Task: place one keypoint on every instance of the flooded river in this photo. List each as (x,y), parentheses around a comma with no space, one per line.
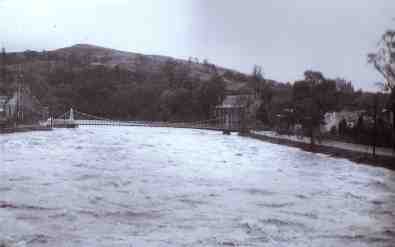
(136,186)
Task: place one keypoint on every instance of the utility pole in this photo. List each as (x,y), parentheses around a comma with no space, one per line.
(393,124)
(375,124)
(3,63)
(3,72)
(18,99)
(19,96)
(312,115)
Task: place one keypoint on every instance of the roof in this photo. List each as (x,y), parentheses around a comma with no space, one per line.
(237,87)
(235,101)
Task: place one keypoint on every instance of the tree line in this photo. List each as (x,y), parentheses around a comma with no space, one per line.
(172,93)
(175,92)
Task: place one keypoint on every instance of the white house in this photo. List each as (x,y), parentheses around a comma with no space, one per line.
(11,106)
(231,111)
(332,119)
(3,101)
(8,106)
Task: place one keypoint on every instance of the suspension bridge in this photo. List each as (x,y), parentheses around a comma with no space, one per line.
(74,118)
(29,110)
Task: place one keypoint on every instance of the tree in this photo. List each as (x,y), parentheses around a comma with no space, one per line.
(345,93)
(383,61)
(264,92)
(257,73)
(169,72)
(313,97)
(176,104)
(209,94)
(140,69)
(342,127)
(209,67)
(257,79)
(344,86)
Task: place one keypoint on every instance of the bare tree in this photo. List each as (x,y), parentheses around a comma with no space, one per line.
(257,79)
(383,59)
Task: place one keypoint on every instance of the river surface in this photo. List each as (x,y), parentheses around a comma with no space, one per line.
(137,186)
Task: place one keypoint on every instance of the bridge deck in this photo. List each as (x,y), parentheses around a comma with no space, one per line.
(65,123)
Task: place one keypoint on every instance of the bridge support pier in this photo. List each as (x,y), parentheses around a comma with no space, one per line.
(226,132)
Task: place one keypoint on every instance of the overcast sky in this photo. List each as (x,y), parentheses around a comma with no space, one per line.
(286,37)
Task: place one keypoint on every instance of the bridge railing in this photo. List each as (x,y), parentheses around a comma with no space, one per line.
(80,118)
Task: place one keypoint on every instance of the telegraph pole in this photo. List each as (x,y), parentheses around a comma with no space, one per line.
(393,123)
(19,98)
(375,124)
(3,64)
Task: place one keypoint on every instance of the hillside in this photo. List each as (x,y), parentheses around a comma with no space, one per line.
(131,86)
(96,55)
(123,84)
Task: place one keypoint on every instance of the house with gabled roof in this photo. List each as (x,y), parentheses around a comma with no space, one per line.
(8,106)
(3,101)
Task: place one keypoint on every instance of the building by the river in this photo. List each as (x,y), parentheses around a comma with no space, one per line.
(21,106)
(8,106)
(232,112)
(239,106)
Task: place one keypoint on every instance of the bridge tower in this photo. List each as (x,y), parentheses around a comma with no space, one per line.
(70,123)
(71,117)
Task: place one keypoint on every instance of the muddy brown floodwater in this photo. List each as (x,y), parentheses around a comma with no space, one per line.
(136,186)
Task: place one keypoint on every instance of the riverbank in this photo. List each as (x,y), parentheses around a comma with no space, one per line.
(24,128)
(353,153)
